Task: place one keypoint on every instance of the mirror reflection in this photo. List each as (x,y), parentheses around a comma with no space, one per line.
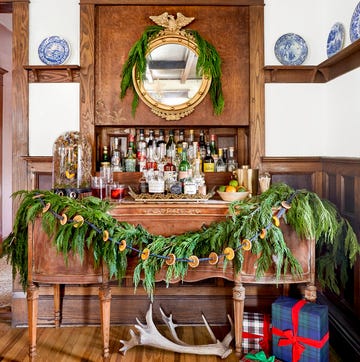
(170,77)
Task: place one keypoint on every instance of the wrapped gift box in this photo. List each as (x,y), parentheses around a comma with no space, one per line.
(300,331)
(256,332)
(258,356)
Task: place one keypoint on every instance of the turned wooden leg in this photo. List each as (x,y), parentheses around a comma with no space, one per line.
(57,311)
(238,300)
(310,293)
(32,299)
(105,302)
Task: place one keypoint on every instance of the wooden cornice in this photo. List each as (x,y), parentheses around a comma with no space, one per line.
(175,3)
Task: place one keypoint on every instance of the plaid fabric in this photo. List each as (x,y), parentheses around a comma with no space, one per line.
(254,324)
(312,324)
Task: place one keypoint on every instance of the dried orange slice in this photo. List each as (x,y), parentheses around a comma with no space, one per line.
(276,221)
(122,245)
(229,253)
(214,258)
(46,207)
(78,221)
(262,234)
(285,205)
(105,235)
(145,254)
(170,260)
(246,244)
(194,261)
(64,219)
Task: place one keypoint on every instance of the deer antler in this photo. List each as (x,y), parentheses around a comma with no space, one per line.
(149,335)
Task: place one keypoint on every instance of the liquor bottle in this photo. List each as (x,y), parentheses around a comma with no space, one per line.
(151,141)
(202,145)
(116,157)
(220,165)
(170,174)
(199,178)
(208,162)
(184,166)
(231,162)
(156,183)
(213,148)
(105,159)
(190,142)
(161,138)
(141,152)
(130,161)
(150,158)
(179,143)
(171,146)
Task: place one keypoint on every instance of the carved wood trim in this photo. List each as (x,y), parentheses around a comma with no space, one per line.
(20,95)
(257,89)
(53,73)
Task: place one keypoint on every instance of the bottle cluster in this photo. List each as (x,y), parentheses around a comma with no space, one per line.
(168,164)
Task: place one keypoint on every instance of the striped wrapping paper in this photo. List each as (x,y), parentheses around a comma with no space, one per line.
(300,331)
(256,334)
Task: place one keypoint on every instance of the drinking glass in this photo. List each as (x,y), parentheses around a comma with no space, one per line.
(98,187)
(117,191)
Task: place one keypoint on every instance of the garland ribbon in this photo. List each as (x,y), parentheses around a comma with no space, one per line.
(291,336)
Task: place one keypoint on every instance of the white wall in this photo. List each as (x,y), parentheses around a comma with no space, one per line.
(54,108)
(301,119)
(307,119)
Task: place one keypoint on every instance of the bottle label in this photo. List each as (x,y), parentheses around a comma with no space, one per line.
(156,187)
(183,175)
(130,164)
(209,167)
(189,188)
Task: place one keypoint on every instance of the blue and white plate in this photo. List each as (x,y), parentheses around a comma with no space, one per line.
(291,49)
(355,24)
(335,41)
(54,50)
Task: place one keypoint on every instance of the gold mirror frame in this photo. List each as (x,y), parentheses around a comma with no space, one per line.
(171,112)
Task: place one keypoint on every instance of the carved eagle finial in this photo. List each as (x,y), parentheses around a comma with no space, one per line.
(169,22)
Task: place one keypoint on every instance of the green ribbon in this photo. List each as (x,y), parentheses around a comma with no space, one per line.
(260,356)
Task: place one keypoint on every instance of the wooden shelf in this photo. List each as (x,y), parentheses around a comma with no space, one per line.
(346,60)
(53,73)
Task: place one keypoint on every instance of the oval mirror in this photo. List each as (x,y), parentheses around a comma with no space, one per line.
(171,85)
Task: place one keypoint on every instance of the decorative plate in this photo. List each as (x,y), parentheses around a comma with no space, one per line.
(335,41)
(355,24)
(291,49)
(54,50)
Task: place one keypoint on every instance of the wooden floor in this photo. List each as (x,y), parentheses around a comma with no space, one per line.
(72,344)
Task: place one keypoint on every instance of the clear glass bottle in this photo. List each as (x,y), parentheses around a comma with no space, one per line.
(116,156)
(231,162)
(199,178)
(141,151)
(156,183)
(171,146)
(220,165)
(208,162)
(130,161)
(71,161)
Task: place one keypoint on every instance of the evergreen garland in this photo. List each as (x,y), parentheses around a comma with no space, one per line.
(209,64)
(100,233)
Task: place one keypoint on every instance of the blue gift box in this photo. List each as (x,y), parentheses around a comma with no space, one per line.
(300,331)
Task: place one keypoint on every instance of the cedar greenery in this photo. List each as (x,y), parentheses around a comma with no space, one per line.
(209,64)
(313,218)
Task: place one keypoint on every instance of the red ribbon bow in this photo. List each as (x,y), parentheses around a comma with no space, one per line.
(291,337)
